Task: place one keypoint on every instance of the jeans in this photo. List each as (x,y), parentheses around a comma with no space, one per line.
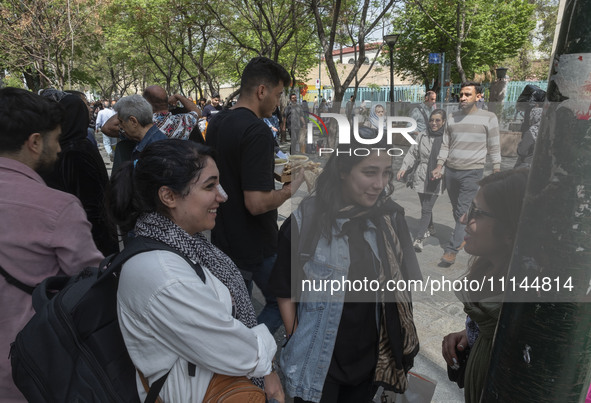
(462,187)
(270,314)
(427,203)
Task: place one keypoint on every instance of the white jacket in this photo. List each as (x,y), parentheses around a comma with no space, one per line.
(169,318)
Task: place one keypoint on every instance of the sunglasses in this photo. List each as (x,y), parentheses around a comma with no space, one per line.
(474,213)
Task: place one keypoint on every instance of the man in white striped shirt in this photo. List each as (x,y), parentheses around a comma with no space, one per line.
(471,134)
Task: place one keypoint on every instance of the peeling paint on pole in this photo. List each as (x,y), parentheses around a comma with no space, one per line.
(572,77)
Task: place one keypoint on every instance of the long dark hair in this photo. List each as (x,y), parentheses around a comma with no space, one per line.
(503,193)
(134,187)
(327,190)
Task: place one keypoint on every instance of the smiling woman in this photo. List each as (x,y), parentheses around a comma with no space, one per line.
(172,320)
(418,164)
(491,225)
(360,236)
(196,211)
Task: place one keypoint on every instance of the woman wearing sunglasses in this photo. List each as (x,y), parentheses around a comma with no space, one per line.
(423,156)
(491,226)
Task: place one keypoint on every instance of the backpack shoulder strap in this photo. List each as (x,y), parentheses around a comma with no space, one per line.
(424,115)
(112,265)
(18,284)
(154,390)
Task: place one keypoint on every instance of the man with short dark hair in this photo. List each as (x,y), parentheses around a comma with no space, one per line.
(135,118)
(246,225)
(471,134)
(210,110)
(44,231)
(175,126)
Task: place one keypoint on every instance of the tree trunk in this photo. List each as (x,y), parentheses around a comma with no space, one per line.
(460,27)
(32,79)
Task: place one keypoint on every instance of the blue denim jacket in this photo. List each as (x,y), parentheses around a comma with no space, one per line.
(305,359)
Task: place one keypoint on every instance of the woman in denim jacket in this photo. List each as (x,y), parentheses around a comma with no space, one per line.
(345,335)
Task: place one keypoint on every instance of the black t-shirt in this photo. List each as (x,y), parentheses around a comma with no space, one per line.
(356,346)
(209,111)
(245,159)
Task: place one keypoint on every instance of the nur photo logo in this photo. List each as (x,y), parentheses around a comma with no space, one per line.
(387,125)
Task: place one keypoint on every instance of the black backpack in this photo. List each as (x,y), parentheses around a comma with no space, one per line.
(72,349)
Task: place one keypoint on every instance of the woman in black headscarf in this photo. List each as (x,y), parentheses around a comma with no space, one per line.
(80,170)
(423,157)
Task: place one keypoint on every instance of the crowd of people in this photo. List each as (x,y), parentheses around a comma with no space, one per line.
(172,184)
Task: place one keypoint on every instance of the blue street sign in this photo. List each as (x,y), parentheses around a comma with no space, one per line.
(434,58)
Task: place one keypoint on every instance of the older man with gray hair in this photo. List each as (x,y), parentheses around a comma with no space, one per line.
(135,118)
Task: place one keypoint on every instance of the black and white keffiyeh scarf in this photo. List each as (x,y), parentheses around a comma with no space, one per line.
(199,249)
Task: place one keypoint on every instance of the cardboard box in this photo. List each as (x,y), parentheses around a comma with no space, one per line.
(283,178)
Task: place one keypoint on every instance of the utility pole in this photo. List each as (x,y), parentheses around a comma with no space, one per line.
(319,76)
(442,80)
(542,346)
(391,40)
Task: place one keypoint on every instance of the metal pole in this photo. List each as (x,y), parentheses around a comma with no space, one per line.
(391,76)
(319,77)
(542,346)
(441,91)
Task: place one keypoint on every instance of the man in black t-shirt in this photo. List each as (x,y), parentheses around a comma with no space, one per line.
(246,225)
(210,111)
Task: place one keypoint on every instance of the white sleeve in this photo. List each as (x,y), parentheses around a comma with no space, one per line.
(188,316)
(107,144)
(99,120)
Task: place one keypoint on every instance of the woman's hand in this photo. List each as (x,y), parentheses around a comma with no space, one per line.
(400,174)
(451,343)
(273,388)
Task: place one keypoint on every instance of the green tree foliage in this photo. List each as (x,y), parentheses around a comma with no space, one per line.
(45,39)
(12,81)
(349,23)
(281,30)
(538,46)
(476,35)
(195,45)
(189,46)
